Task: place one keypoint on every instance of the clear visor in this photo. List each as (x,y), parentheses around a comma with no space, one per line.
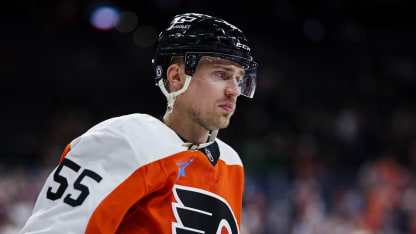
(234,72)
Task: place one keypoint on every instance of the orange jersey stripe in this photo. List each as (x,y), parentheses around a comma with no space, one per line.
(67,149)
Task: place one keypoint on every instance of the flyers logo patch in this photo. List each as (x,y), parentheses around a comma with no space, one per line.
(200,211)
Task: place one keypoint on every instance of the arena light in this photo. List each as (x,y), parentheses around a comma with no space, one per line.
(104,18)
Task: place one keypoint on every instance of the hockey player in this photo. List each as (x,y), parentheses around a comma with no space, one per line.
(139,174)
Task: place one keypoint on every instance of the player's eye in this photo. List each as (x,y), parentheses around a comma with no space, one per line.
(222,75)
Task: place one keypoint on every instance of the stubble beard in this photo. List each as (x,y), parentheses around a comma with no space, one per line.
(212,120)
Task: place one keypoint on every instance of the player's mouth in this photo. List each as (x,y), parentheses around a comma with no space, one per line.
(228,107)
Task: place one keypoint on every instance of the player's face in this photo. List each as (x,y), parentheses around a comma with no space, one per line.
(213,92)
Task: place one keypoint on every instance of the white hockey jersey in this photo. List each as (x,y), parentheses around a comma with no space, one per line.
(132,174)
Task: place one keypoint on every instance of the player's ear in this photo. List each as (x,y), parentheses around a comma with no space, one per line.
(176,77)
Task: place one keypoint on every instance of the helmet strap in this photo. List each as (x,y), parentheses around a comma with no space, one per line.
(213,135)
(171,97)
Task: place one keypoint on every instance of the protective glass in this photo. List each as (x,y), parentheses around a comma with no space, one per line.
(244,79)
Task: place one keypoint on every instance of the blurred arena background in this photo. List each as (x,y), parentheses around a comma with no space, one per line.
(328,142)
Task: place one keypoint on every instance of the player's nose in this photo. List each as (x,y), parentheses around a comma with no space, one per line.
(233,90)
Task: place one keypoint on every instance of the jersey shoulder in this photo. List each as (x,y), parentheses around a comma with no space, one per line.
(228,154)
(137,129)
(146,137)
(127,123)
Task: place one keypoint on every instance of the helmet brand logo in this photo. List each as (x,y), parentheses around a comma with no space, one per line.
(181,20)
(240,45)
(158,71)
(186,26)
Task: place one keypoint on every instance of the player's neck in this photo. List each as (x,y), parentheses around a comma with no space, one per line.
(186,128)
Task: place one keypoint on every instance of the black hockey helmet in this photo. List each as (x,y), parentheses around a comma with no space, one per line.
(193,36)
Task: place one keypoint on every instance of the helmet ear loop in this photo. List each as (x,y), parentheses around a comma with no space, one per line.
(171,97)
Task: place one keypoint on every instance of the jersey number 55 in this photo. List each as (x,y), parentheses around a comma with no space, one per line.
(63,184)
